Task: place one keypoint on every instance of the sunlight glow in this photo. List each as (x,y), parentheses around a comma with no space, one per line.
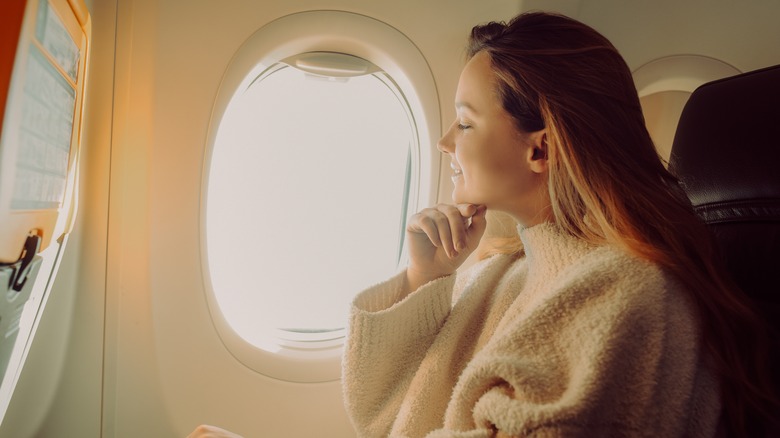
(305,200)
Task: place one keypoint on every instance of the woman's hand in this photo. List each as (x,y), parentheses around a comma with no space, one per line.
(205,431)
(440,239)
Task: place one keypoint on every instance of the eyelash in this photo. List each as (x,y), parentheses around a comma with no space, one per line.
(463,127)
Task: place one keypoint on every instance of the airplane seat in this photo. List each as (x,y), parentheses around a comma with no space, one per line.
(726,152)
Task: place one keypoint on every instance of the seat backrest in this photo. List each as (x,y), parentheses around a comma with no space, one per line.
(726,152)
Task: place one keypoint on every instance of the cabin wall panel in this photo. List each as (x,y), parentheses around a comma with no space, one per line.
(133,259)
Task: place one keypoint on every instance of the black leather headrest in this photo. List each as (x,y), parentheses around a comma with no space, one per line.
(727,148)
(726,152)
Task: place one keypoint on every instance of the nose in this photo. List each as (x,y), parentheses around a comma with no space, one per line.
(445,143)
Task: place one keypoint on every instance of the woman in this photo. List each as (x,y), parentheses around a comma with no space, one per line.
(610,315)
(610,319)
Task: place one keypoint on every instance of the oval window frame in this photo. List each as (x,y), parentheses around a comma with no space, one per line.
(679,73)
(325,31)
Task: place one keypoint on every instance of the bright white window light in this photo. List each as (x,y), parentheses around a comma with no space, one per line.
(307,200)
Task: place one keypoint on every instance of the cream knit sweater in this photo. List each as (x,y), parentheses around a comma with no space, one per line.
(569,340)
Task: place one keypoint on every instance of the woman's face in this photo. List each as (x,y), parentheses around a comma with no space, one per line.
(493,162)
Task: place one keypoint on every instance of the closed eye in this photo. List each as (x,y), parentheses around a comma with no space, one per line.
(463,127)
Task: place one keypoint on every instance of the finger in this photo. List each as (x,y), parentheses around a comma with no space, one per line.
(458,223)
(445,226)
(467,210)
(426,223)
(447,220)
(478,226)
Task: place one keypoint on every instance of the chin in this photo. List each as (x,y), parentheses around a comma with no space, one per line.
(459,197)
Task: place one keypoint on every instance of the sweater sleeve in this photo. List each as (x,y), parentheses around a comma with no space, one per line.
(603,357)
(386,342)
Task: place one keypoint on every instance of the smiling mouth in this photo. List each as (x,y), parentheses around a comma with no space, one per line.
(457,174)
(456,171)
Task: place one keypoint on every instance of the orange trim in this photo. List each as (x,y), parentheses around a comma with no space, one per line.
(10,29)
(80,11)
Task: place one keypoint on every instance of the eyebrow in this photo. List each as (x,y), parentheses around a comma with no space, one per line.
(459,105)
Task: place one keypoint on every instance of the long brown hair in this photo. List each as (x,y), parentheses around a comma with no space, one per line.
(608,185)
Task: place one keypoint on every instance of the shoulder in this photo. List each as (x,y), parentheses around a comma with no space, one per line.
(609,266)
(487,272)
(491,263)
(610,280)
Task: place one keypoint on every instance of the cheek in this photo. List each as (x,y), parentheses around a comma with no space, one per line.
(493,166)
(500,176)
(489,162)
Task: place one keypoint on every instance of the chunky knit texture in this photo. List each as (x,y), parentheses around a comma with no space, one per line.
(568,340)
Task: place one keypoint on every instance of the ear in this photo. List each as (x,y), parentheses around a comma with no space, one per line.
(537,151)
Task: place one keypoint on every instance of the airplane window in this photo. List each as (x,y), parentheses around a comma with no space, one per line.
(307,197)
(664,86)
(662,110)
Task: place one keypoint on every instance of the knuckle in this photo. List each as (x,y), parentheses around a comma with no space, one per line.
(441,221)
(446,208)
